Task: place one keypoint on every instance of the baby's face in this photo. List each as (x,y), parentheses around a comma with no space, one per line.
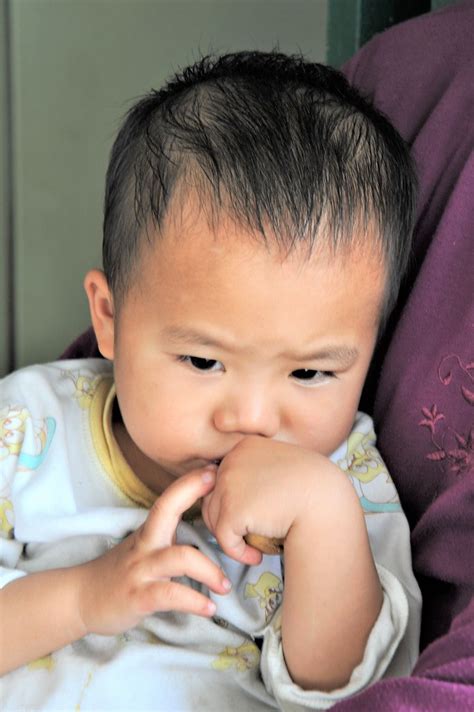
(220,338)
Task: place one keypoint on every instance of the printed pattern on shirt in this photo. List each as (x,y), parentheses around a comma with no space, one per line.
(26,440)
(85,387)
(245,657)
(269,592)
(369,474)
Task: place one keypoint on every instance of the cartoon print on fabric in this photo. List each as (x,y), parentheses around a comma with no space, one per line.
(84,387)
(28,440)
(12,430)
(245,657)
(369,475)
(45,663)
(269,592)
(6,516)
(453,449)
(87,683)
(115,644)
(14,421)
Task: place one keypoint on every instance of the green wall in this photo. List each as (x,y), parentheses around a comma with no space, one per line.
(5,308)
(75,66)
(69,69)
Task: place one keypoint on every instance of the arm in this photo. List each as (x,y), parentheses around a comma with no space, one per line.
(333,596)
(38,614)
(45,611)
(332,591)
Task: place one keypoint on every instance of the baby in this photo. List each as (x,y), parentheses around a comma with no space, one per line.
(258,217)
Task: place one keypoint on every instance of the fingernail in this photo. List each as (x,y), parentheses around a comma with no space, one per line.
(226,584)
(208,475)
(211,608)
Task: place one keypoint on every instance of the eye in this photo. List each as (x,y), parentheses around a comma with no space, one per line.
(202,364)
(310,376)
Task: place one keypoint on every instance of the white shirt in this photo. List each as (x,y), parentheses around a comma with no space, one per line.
(67,495)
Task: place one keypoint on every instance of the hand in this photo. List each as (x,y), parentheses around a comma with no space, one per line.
(263,487)
(134,578)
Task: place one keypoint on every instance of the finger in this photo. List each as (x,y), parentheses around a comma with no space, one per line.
(165,514)
(187,561)
(235,546)
(209,507)
(173,596)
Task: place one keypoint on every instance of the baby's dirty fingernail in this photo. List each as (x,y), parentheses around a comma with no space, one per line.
(226,584)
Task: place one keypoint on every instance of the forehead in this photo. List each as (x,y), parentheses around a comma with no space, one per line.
(216,271)
(197,232)
(196,215)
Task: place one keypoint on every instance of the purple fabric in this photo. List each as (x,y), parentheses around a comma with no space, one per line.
(421,387)
(85,346)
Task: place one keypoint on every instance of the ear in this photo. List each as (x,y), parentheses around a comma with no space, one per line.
(101,305)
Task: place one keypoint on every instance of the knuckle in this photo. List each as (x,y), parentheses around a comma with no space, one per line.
(169,594)
(157,509)
(144,601)
(183,555)
(134,576)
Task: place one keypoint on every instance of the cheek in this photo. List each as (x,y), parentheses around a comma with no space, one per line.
(161,417)
(154,408)
(342,416)
(340,430)
(326,421)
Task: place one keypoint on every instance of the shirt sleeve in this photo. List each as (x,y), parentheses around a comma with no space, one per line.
(392,646)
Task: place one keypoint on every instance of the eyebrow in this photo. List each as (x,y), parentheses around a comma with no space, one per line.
(192,336)
(338,353)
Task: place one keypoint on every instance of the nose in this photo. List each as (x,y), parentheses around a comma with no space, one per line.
(249,411)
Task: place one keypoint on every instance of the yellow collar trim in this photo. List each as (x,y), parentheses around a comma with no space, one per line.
(107,448)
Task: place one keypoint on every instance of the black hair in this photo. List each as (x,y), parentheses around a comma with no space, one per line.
(284,145)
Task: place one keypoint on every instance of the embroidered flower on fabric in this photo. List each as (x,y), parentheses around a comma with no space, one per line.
(453,449)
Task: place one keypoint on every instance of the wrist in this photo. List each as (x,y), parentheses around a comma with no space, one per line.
(85,596)
(329,497)
(71,585)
